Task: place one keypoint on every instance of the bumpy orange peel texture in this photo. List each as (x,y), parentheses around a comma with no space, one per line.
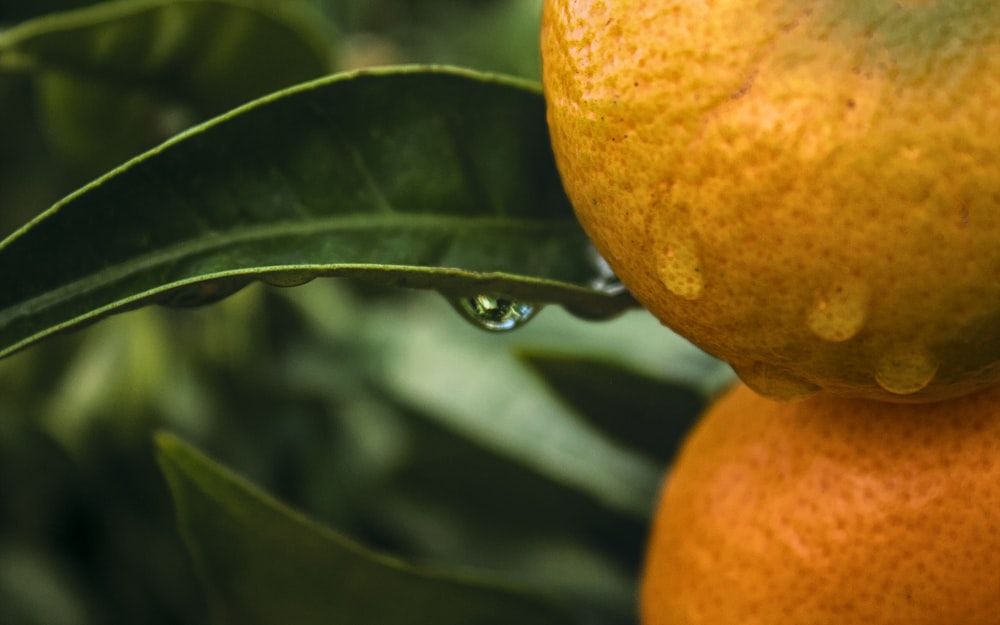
(808,190)
(831,511)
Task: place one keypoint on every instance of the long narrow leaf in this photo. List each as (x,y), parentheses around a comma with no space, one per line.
(265,564)
(416,177)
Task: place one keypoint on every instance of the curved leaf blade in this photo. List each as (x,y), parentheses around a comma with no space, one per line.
(264,563)
(213,54)
(426,178)
(475,387)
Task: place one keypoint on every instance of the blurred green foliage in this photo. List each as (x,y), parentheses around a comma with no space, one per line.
(380,413)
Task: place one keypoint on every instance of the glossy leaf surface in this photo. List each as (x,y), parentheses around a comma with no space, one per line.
(264,563)
(426,178)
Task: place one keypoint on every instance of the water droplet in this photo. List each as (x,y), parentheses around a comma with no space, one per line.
(202,293)
(678,264)
(604,279)
(774,383)
(288,278)
(839,312)
(494,313)
(906,371)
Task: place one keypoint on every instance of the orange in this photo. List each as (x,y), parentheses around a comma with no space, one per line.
(808,190)
(831,511)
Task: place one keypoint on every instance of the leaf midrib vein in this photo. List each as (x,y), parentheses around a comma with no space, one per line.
(219,240)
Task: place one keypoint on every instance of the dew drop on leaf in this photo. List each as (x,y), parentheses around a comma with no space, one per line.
(494,313)
(202,293)
(603,280)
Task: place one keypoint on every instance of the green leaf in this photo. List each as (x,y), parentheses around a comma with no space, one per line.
(428,178)
(214,54)
(454,501)
(471,384)
(637,410)
(264,563)
(118,78)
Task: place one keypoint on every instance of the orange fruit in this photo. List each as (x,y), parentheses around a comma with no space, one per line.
(807,190)
(831,511)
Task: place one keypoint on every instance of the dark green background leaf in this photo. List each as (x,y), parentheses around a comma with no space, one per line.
(266,564)
(317,394)
(471,384)
(647,414)
(421,178)
(214,53)
(118,78)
